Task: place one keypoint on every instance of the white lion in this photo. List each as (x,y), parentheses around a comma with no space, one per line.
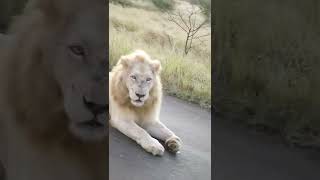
(135,94)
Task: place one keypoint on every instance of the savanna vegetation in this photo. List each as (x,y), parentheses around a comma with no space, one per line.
(267,68)
(145,24)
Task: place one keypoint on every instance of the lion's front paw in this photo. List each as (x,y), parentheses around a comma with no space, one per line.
(153,146)
(173,144)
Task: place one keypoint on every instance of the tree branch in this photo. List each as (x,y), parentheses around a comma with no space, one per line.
(198,37)
(184,22)
(188,23)
(174,21)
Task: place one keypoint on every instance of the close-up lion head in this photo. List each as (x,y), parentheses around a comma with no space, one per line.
(139,79)
(60,74)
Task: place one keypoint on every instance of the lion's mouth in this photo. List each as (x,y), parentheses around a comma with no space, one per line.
(96,109)
(137,103)
(89,122)
(94,129)
(94,123)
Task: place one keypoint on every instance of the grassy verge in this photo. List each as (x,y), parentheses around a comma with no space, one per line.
(268,67)
(187,77)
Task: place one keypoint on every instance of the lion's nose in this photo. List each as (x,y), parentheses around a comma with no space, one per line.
(140,95)
(95,108)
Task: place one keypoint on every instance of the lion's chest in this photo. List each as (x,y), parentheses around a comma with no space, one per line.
(144,116)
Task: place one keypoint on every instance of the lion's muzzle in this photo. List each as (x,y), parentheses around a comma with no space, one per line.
(95,108)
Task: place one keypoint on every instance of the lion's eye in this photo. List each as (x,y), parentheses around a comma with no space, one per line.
(77,50)
(133,77)
(149,79)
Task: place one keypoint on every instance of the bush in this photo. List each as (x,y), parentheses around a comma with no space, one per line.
(164,4)
(205,5)
(123,25)
(123,3)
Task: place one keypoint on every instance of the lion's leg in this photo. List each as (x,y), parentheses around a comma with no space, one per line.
(160,131)
(135,132)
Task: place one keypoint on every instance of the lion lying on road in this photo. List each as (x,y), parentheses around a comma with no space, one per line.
(135,94)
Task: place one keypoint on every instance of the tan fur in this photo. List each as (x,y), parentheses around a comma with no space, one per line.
(139,123)
(120,93)
(35,140)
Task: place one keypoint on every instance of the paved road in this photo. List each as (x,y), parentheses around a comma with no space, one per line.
(239,154)
(242,154)
(127,161)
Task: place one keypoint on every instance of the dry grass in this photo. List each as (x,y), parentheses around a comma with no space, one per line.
(269,66)
(187,77)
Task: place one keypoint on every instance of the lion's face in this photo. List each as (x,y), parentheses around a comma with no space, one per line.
(141,76)
(80,66)
(139,83)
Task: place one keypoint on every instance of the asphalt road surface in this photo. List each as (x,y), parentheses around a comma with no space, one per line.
(128,161)
(238,153)
(243,154)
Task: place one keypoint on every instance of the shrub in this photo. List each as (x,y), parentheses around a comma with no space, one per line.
(164,4)
(123,3)
(123,25)
(205,5)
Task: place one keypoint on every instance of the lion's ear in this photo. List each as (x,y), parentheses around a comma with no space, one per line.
(156,66)
(54,10)
(124,61)
(47,7)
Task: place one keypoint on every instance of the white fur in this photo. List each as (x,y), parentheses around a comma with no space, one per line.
(144,128)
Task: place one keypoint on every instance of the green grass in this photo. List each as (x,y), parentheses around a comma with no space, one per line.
(270,74)
(188,80)
(187,77)
(163,5)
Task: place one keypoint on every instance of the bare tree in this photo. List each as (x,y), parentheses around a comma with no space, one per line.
(190,23)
